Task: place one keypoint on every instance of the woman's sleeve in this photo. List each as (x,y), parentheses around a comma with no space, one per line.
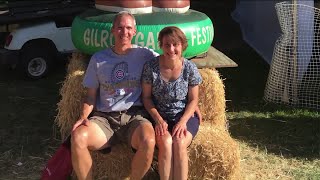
(146,76)
(194,75)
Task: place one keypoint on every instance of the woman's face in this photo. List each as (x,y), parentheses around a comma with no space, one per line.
(171,50)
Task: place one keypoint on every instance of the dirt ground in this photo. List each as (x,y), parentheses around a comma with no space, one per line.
(27,113)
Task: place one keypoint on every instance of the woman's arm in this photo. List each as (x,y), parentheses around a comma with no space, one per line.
(161,126)
(193,96)
(198,112)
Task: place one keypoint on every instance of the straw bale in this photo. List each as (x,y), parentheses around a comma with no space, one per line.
(72,92)
(114,165)
(212,102)
(117,164)
(213,153)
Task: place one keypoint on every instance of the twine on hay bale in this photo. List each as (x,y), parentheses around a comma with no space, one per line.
(212,149)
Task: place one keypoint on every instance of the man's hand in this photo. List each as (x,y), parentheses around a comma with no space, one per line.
(80,122)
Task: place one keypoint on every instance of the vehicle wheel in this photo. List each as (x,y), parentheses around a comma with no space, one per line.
(37,62)
(37,67)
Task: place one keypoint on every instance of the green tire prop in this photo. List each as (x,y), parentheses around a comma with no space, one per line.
(91,30)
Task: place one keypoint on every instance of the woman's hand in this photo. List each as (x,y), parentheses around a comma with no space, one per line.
(180,129)
(161,128)
(80,122)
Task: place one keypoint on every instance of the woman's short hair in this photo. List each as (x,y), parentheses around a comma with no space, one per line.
(175,34)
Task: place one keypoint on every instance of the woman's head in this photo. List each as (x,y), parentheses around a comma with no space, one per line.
(174,35)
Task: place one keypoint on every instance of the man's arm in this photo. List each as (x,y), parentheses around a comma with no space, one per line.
(88,103)
(87,107)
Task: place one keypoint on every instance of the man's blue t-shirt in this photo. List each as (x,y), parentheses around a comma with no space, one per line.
(117,78)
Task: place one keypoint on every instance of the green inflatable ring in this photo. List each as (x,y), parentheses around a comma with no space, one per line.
(91,30)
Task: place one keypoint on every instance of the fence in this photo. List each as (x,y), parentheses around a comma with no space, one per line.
(294,77)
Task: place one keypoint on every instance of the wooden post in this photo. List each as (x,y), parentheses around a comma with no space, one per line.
(295,67)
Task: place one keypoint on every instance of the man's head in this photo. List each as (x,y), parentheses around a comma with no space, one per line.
(123,28)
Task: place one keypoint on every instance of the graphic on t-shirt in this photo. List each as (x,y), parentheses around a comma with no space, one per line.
(119,72)
(121,92)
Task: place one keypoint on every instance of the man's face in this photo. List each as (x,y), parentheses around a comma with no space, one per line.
(124,30)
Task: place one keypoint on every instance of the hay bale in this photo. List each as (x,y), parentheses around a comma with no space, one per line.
(212,90)
(72,93)
(215,152)
(114,165)
(117,164)
(213,149)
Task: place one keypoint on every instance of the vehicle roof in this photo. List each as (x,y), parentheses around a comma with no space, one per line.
(21,11)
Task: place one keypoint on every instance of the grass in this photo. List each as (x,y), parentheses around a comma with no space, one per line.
(28,109)
(276,141)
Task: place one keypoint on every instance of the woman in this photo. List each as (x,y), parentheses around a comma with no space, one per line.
(170,85)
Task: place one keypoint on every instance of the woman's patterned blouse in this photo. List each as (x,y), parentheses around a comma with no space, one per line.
(170,98)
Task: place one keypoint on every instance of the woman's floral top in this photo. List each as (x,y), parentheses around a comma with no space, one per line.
(170,98)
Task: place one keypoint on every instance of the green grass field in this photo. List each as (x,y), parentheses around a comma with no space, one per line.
(276,142)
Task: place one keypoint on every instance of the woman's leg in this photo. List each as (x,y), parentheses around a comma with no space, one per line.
(180,156)
(164,144)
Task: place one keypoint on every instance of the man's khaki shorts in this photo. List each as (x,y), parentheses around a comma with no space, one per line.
(119,126)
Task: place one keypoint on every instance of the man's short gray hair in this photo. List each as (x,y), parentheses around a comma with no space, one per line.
(123,13)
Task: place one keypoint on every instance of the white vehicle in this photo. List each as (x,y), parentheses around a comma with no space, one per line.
(42,35)
(36,47)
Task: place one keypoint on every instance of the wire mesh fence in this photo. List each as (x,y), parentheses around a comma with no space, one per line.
(294,76)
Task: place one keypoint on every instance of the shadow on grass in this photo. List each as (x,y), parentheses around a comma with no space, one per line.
(281,130)
(284,136)
(28,109)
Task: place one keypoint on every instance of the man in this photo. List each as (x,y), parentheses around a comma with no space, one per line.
(113,87)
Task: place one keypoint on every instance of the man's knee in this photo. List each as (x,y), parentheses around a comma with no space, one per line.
(144,137)
(149,136)
(79,138)
(148,142)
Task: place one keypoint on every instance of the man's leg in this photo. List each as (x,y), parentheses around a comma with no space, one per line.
(83,139)
(143,140)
